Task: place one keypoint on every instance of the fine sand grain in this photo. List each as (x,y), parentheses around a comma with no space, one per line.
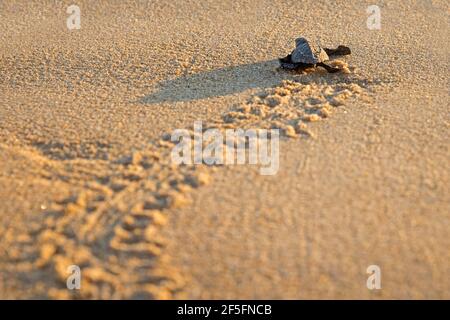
(86,176)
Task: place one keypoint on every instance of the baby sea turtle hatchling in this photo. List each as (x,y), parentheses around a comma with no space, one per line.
(307,55)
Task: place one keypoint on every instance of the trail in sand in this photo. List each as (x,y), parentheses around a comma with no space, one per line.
(86,177)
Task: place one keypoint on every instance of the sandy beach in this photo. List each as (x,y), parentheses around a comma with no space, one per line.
(87,178)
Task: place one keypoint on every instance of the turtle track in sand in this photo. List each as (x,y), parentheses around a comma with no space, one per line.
(110,224)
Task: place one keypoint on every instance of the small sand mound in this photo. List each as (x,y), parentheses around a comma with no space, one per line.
(341,65)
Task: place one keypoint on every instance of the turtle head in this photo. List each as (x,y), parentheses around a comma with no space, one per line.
(300,41)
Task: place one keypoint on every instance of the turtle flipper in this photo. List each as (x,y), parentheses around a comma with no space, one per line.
(286,63)
(328,68)
(339,51)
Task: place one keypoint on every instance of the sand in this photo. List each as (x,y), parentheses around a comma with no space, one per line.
(87,179)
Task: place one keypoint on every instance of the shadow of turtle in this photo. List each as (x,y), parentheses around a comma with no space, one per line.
(216,83)
(231,80)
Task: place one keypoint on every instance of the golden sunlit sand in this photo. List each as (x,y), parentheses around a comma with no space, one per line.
(86,176)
